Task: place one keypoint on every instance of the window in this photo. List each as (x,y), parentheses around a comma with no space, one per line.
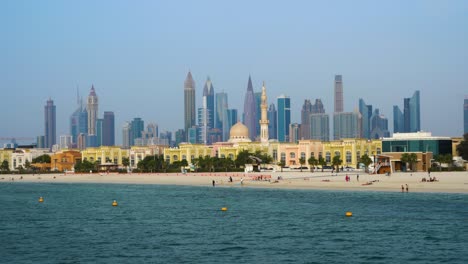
(283,156)
(358,155)
(320,155)
(303,156)
(175,158)
(312,154)
(184,157)
(379,151)
(231,156)
(337,153)
(168,158)
(275,154)
(327,156)
(292,155)
(348,156)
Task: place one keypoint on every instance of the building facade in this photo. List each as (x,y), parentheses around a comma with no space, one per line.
(189,102)
(108,129)
(105,155)
(366,114)
(50,124)
(418,142)
(250,111)
(346,125)
(338,87)
(92,109)
(284,118)
(273,122)
(320,127)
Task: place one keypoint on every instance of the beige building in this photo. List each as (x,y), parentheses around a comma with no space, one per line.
(105,155)
(138,153)
(351,150)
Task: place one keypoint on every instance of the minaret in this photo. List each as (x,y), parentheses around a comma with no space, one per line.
(264,120)
(92,111)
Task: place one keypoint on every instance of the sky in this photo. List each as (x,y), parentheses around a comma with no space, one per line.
(137,55)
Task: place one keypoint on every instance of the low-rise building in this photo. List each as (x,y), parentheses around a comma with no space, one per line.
(351,150)
(65,160)
(105,155)
(418,142)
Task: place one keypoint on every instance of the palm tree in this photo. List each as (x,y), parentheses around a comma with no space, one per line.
(366,160)
(302,162)
(281,164)
(322,162)
(409,158)
(337,162)
(312,162)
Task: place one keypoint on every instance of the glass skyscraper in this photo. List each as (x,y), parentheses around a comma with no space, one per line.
(398,120)
(221,107)
(250,111)
(189,103)
(284,117)
(273,122)
(345,125)
(108,129)
(320,126)
(366,114)
(410,120)
(50,124)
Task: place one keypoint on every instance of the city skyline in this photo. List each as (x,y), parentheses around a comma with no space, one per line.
(381,61)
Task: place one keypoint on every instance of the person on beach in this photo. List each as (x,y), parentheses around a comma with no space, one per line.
(357,177)
(230,179)
(214,183)
(402,188)
(242,181)
(407,188)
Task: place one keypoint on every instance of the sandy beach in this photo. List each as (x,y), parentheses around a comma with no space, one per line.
(447,182)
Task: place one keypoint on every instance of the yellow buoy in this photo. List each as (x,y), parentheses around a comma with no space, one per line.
(114,203)
(41,199)
(224,209)
(349,214)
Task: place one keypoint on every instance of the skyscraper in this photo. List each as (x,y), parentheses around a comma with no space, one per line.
(305,120)
(50,124)
(209,101)
(230,119)
(398,120)
(378,126)
(78,121)
(189,102)
(108,129)
(250,115)
(318,108)
(294,131)
(338,94)
(320,127)
(465,115)
(221,107)
(346,125)
(273,122)
(263,117)
(136,127)
(284,118)
(126,133)
(366,114)
(92,108)
(410,120)
(99,128)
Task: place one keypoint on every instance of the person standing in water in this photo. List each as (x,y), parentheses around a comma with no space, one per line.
(214,183)
(407,188)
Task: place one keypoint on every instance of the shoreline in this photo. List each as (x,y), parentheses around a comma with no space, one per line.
(447,182)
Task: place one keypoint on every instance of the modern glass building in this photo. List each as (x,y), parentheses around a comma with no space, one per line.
(320,127)
(398,120)
(346,125)
(378,125)
(231,119)
(366,114)
(50,124)
(417,142)
(189,102)
(338,86)
(250,119)
(136,127)
(305,119)
(108,129)
(410,120)
(284,117)
(99,126)
(272,119)
(221,107)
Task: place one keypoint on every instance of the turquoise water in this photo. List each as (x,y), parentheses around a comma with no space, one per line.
(173,224)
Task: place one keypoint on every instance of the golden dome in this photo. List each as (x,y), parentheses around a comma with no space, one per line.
(239,131)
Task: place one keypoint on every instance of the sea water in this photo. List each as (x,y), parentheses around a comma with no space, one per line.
(77,223)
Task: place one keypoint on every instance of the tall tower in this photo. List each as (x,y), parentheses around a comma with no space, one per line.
(92,111)
(284,118)
(209,101)
(338,94)
(305,120)
(273,122)
(264,118)
(189,103)
(250,115)
(50,124)
(108,129)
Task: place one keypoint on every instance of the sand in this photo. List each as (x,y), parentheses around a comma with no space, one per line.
(448,182)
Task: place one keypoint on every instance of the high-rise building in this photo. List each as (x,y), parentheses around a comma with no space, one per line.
(203,120)
(465,115)
(167,136)
(192,136)
(210,101)
(346,125)
(366,114)
(65,142)
(50,124)
(263,117)
(179,137)
(230,120)
(108,129)
(189,102)
(250,115)
(137,126)
(126,133)
(40,142)
(378,125)
(221,107)
(318,108)
(294,131)
(338,94)
(284,117)
(81,141)
(398,120)
(273,122)
(410,120)
(78,121)
(92,109)
(320,127)
(305,119)
(99,130)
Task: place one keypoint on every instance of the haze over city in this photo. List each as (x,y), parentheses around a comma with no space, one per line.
(137,56)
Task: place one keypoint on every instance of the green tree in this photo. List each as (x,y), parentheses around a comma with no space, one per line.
(85,166)
(312,163)
(5,166)
(366,160)
(302,161)
(409,158)
(322,162)
(125,162)
(27,165)
(243,158)
(337,162)
(42,159)
(281,164)
(462,148)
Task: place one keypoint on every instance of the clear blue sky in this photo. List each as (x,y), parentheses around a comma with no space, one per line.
(137,54)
